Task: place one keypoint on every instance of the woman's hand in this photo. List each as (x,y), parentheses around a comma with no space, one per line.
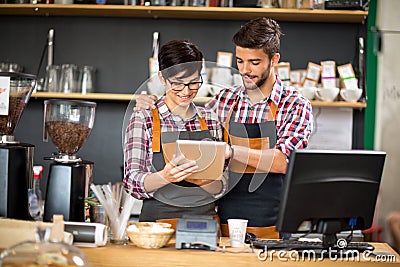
(144,101)
(178,169)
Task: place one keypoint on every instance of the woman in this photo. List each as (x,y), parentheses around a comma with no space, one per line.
(152,172)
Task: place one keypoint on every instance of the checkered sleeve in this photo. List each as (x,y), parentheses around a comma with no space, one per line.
(137,158)
(295,124)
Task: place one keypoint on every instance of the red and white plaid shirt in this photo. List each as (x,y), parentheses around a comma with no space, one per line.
(294,120)
(138,153)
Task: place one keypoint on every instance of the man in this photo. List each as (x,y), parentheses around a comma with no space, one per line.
(265,120)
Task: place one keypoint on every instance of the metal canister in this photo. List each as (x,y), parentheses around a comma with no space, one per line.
(97,214)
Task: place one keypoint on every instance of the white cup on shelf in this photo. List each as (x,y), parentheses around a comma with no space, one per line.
(308,92)
(351,95)
(327,94)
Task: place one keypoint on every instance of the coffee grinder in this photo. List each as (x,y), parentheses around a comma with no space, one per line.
(69,123)
(16,159)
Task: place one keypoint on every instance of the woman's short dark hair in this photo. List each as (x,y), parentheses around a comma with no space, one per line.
(259,33)
(175,53)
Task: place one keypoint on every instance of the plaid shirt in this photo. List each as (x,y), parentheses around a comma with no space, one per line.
(138,153)
(294,120)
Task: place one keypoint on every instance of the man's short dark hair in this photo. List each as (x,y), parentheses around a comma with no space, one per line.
(259,33)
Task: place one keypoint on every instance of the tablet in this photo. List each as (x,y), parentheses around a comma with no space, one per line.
(209,156)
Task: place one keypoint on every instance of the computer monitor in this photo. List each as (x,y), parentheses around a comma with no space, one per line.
(328,191)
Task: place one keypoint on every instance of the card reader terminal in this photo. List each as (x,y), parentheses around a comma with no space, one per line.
(196,232)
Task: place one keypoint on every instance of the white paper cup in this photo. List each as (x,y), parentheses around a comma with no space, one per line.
(237,232)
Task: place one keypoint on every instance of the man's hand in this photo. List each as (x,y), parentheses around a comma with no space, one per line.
(144,101)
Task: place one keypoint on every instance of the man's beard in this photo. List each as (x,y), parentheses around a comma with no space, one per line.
(263,79)
(254,86)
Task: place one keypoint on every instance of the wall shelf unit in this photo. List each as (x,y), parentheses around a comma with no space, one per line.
(184,12)
(198,100)
(115,38)
(181,12)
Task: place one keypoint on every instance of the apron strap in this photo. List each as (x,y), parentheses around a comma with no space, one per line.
(228,119)
(203,123)
(272,111)
(156,130)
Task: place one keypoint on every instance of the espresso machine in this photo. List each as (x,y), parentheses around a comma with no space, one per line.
(68,123)
(16,158)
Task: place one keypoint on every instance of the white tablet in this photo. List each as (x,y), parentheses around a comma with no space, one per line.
(209,157)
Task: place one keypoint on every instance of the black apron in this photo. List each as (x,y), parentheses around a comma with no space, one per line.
(175,199)
(252,195)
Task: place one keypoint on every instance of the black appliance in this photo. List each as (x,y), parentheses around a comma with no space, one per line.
(69,123)
(16,159)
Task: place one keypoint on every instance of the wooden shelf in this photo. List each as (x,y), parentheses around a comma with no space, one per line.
(184,12)
(338,104)
(91,96)
(197,100)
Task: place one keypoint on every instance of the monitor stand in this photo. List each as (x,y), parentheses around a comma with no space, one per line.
(329,229)
(338,247)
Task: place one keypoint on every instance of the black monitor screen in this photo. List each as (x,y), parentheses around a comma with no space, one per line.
(328,191)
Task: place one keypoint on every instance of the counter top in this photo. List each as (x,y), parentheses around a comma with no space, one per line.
(129,255)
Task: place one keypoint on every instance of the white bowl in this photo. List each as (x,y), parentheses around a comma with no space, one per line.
(327,94)
(351,95)
(308,92)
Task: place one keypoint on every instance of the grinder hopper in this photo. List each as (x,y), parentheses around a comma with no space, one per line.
(15,91)
(16,159)
(69,123)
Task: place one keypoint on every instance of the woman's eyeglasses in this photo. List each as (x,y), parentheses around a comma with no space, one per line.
(178,86)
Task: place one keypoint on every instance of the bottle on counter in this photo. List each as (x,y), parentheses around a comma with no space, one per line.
(36,204)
